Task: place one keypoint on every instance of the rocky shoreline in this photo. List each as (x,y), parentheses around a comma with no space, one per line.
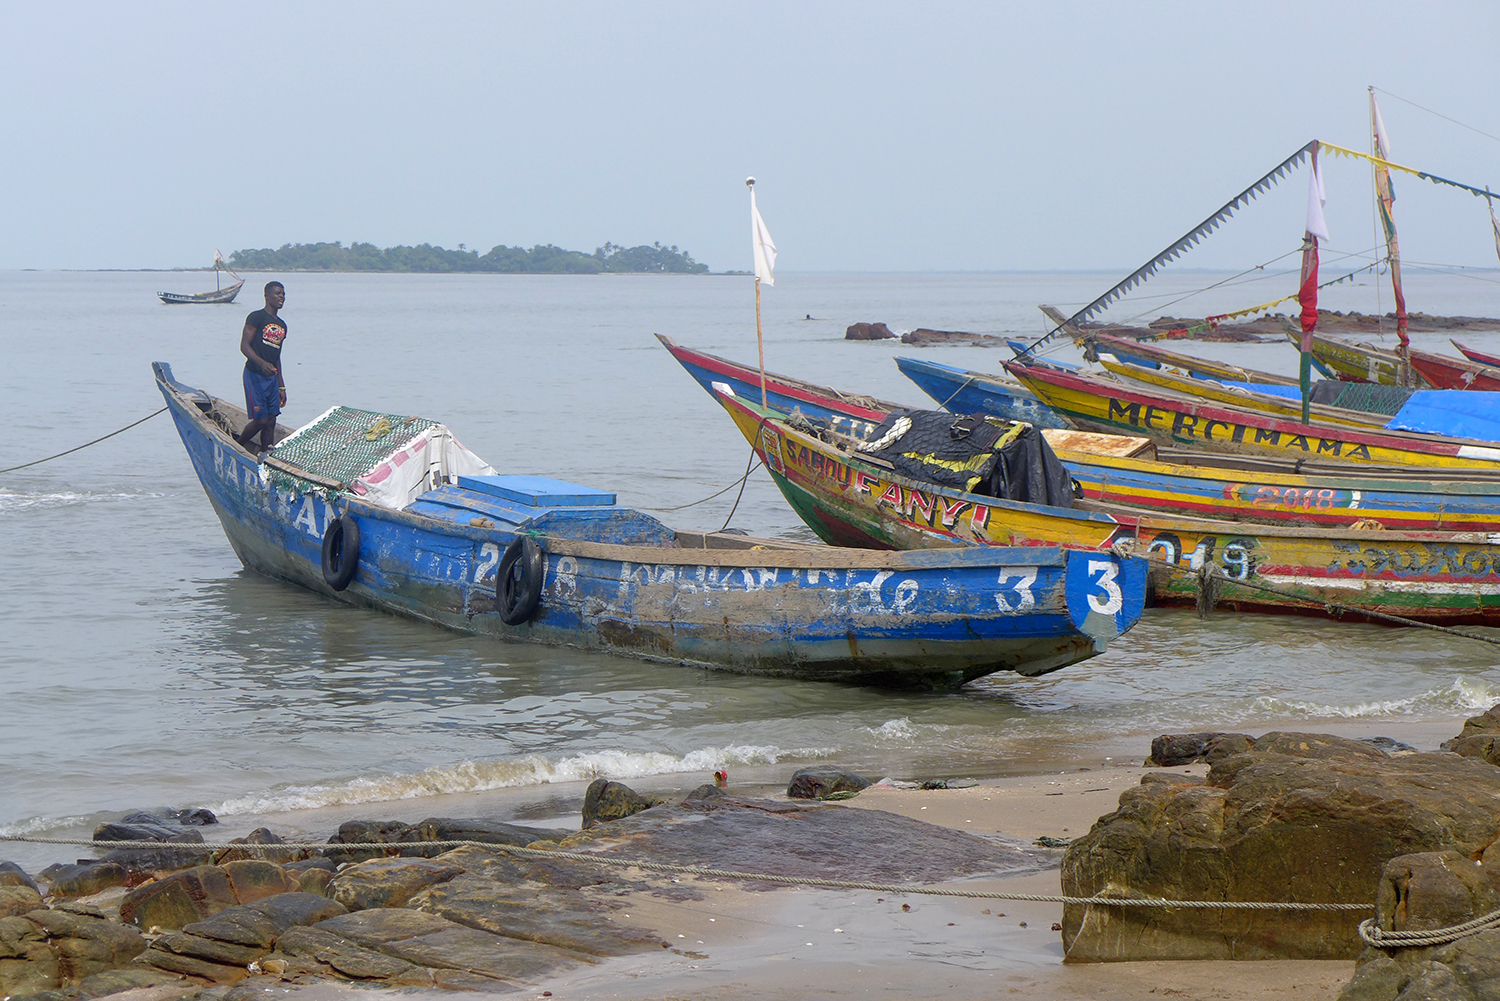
(1214,816)
(1270,327)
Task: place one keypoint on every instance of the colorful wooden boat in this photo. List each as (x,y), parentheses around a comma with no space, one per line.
(1480,357)
(533,559)
(1099,404)
(964,393)
(1455,373)
(1141,473)
(1359,362)
(1128,349)
(1237,396)
(850,411)
(851,499)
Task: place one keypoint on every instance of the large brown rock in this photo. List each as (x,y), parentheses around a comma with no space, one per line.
(534,912)
(1487,722)
(387,882)
(178,899)
(428,940)
(604,801)
(868,332)
(13,875)
(251,880)
(86,944)
(18,900)
(261,923)
(1171,750)
(1428,892)
(27,963)
(345,958)
(1301,817)
(825,781)
(86,880)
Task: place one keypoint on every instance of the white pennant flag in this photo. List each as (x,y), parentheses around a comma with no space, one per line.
(760,238)
(1316,199)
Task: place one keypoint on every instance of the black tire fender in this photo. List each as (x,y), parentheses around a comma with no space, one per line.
(340,551)
(518,580)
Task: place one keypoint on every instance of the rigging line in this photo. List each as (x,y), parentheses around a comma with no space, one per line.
(746,478)
(1455,121)
(1190,295)
(705,500)
(1184,243)
(86,444)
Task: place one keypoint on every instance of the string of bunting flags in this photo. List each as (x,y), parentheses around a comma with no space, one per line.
(1191,238)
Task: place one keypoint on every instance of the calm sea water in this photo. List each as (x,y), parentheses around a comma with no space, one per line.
(141,666)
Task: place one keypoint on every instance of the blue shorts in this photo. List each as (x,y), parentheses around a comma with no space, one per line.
(262,395)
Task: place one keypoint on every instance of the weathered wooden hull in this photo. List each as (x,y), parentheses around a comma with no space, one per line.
(778,609)
(1234,396)
(1224,487)
(1478,357)
(222,295)
(1202,367)
(1108,406)
(1455,373)
(1446,577)
(963,393)
(1360,362)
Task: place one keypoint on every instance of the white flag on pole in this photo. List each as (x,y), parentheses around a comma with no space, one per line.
(1316,199)
(765,247)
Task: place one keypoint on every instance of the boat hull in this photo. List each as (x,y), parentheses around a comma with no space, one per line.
(1442,577)
(222,295)
(1108,406)
(970,393)
(1455,373)
(786,610)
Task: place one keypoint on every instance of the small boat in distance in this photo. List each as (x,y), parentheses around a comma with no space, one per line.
(390,512)
(221,293)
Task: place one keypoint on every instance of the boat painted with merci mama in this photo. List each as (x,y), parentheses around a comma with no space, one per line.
(392,513)
(1149,474)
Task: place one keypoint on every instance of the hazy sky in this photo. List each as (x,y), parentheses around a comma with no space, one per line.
(885,136)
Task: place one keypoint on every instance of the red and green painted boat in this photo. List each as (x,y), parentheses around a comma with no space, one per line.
(1456,373)
(852,499)
(1107,405)
(1359,362)
(1139,472)
(1475,355)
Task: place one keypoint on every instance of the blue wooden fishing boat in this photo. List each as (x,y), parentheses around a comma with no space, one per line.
(391,512)
(965,392)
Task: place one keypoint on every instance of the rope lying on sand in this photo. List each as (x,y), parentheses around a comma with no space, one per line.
(1211,578)
(692,870)
(86,444)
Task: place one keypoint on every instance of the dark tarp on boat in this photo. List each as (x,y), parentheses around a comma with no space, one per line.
(976,453)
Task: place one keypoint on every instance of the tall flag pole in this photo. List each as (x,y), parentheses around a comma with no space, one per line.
(1386,197)
(1307,292)
(765,261)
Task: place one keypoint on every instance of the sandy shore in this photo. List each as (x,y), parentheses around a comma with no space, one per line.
(791,942)
(837,944)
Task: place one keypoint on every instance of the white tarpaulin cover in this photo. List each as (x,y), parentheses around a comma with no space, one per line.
(434,458)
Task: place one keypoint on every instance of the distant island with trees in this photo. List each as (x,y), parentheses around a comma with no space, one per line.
(427,259)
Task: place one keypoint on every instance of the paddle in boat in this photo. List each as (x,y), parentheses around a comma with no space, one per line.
(391,512)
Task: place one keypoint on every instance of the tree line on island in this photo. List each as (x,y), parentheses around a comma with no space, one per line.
(545,259)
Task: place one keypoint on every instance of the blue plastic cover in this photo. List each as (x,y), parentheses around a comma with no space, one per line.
(1458,413)
(1269,388)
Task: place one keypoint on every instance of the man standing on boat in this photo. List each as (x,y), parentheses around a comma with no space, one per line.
(265,390)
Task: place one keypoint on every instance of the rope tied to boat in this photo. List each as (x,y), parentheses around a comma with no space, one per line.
(59,455)
(671,868)
(1335,609)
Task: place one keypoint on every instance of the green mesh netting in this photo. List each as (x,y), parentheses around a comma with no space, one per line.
(1373,398)
(346,443)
